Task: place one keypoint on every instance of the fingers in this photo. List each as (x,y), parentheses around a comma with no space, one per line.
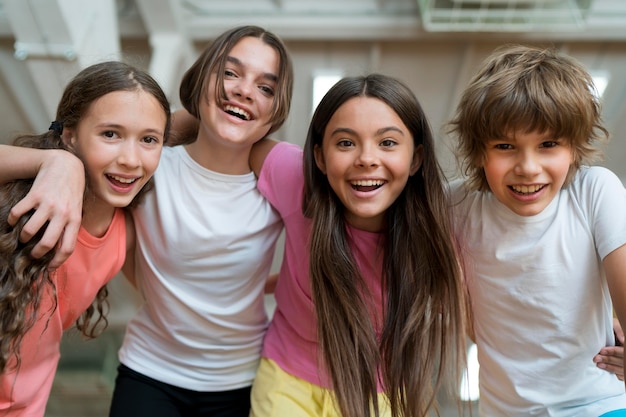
(611,360)
(619,332)
(61,231)
(67,244)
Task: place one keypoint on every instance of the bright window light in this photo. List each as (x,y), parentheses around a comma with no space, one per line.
(468,390)
(601,81)
(322,82)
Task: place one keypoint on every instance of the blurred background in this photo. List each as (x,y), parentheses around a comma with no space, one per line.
(432,45)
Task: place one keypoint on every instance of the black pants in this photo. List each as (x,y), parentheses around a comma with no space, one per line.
(136,395)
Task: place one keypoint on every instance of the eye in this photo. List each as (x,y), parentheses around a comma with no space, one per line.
(388,143)
(109,134)
(267,90)
(150,139)
(229,73)
(345,143)
(503,146)
(549,144)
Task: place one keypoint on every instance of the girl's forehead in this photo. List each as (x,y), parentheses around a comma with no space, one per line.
(251,50)
(132,108)
(366,111)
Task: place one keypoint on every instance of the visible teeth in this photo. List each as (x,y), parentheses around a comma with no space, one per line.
(123,180)
(367,183)
(526,189)
(237,110)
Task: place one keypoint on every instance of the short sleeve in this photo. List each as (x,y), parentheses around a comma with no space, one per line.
(281,180)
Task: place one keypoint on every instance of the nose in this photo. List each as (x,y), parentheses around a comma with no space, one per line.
(129,154)
(243,89)
(367,156)
(527,164)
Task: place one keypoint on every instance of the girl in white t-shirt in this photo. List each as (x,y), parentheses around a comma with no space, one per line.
(205,239)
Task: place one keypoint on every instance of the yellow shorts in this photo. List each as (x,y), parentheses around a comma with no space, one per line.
(275,393)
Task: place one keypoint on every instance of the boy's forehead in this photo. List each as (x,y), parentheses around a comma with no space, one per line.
(513,134)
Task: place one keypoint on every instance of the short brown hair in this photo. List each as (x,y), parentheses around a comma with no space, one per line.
(527,89)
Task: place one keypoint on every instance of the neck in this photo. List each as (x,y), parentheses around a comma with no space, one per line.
(96,216)
(231,159)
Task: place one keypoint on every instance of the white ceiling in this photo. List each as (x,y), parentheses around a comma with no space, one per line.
(45,42)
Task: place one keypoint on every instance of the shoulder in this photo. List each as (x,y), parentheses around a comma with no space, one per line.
(282,176)
(283,157)
(287,150)
(461,197)
(456,189)
(595,179)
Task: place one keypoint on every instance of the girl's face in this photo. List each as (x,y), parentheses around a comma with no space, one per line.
(119,140)
(250,80)
(367,154)
(526,171)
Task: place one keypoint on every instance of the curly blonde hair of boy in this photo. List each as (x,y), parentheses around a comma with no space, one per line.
(527,89)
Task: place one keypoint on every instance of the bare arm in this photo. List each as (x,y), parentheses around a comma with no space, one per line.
(259,152)
(270,284)
(56,196)
(184,128)
(615,269)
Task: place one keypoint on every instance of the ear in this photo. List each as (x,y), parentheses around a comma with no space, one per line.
(69,138)
(479,161)
(319,158)
(574,156)
(418,158)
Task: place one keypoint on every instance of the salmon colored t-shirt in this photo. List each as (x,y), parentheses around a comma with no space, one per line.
(94,262)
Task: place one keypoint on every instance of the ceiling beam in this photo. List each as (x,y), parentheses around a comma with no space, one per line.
(58,38)
(172,50)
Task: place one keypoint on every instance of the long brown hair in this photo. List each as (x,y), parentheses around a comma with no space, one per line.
(423,330)
(23,279)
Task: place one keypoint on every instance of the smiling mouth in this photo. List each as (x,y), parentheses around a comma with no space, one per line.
(120,180)
(237,112)
(526,189)
(366,185)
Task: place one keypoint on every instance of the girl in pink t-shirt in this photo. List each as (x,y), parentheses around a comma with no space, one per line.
(370,301)
(115,119)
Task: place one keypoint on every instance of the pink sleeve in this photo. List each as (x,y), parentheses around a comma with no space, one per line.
(281,180)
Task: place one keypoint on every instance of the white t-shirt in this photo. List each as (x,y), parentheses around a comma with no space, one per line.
(541,305)
(205,247)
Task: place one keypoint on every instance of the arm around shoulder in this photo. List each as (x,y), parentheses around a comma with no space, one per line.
(17,162)
(56,196)
(184,128)
(259,152)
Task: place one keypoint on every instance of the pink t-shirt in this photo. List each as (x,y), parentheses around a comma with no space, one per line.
(94,262)
(291,340)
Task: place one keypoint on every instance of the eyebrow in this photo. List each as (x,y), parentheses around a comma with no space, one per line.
(115,126)
(236,61)
(380,131)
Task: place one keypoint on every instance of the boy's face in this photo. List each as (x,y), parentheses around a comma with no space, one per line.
(525,171)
